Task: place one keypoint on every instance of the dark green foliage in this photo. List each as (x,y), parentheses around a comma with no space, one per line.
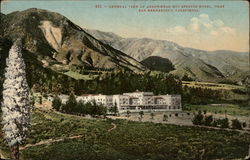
(114,109)
(208,120)
(215,123)
(81,108)
(97,110)
(141,113)
(70,105)
(56,103)
(205,111)
(198,95)
(223,123)
(244,124)
(198,119)
(128,113)
(236,124)
(158,64)
(187,78)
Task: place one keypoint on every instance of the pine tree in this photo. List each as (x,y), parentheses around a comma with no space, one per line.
(56,103)
(71,104)
(16,106)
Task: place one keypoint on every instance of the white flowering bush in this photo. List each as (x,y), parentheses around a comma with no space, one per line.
(15,107)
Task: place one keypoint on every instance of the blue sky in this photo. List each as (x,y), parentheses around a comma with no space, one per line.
(209,29)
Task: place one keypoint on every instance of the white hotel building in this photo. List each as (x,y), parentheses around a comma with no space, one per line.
(134,102)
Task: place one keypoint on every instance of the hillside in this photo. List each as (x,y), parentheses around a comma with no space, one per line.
(197,64)
(59,43)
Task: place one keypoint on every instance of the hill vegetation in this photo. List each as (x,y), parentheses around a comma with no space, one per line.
(129,140)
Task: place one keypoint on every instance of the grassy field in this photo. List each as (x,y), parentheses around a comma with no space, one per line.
(211,85)
(77,76)
(231,109)
(128,141)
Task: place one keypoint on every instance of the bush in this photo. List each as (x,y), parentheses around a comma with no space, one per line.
(141,113)
(198,118)
(215,123)
(224,123)
(128,113)
(236,124)
(208,120)
(244,124)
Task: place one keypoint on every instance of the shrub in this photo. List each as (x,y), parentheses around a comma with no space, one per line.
(244,124)
(205,111)
(236,124)
(224,123)
(128,113)
(198,118)
(141,113)
(215,123)
(208,120)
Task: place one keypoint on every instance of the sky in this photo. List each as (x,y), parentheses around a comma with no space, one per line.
(224,26)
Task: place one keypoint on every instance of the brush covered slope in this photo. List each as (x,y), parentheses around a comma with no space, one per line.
(58,42)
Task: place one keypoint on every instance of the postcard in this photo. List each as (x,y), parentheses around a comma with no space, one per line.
(124,80)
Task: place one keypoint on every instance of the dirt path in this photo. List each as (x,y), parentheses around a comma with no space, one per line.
(114,127)
(49,141)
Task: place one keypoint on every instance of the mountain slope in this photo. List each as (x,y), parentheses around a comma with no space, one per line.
(198,64)
(54,39)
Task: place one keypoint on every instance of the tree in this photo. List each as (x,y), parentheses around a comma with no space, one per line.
(198,118)
(71,104)
(114,109)
(208,120)
(224,123)
(16,105)
(236,124)
(56,103)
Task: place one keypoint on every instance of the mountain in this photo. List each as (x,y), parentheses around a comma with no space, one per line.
(158,64)
(60,44)
(197,64)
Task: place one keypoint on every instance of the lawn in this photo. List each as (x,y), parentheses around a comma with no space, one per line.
(128,141)
(77,76)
